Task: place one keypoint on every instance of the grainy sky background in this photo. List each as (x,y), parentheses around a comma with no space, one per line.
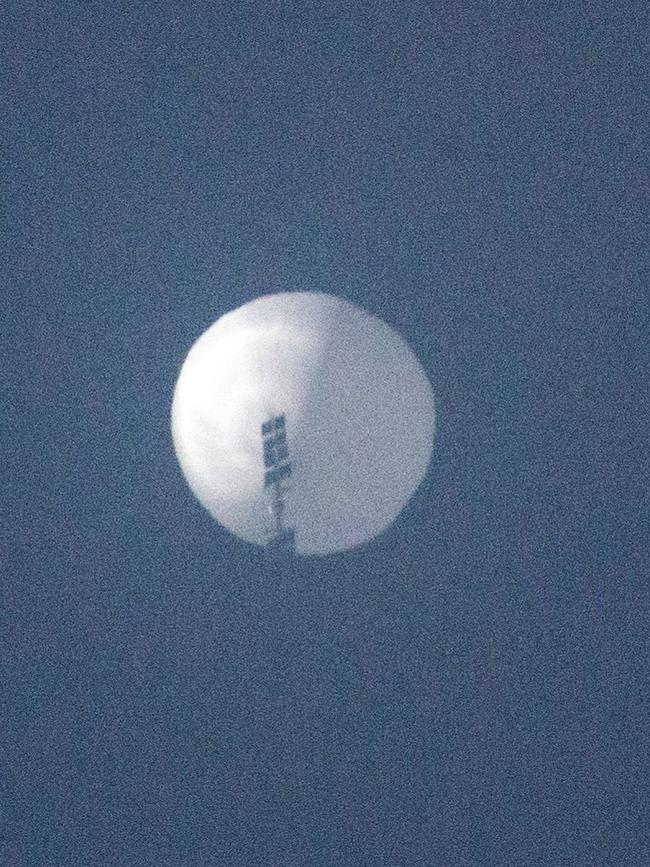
(471,688)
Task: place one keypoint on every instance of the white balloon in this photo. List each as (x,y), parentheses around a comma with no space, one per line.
(359,412)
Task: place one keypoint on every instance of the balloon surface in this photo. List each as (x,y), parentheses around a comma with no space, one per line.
(359,419)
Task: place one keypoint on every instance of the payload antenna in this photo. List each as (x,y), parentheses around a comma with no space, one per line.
(277,481)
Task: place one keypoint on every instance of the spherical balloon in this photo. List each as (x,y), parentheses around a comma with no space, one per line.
(359,414)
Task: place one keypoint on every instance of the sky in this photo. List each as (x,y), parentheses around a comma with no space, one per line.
(471,687)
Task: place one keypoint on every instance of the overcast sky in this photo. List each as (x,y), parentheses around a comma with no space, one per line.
(471,688)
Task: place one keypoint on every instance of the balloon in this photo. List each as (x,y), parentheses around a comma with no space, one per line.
(359,414)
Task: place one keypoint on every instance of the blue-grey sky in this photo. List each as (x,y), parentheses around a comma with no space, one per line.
(469,689)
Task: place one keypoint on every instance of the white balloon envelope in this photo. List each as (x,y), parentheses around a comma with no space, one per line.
(359,415)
